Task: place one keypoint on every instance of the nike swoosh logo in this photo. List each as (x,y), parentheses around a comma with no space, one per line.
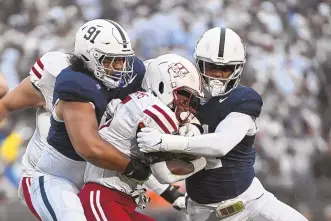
(221,100)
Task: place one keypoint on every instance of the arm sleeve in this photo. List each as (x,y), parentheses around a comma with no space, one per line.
(227,135)
(155,185)
(73,86)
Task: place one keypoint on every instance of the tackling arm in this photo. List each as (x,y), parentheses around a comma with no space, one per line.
(82,127)
(25,95)
(176,170)
(227,135)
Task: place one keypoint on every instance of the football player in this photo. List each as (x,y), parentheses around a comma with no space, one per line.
(227,188)
(120,78)
(35,90)
(173,83)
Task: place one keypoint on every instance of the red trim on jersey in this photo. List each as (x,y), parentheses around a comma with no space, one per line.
(107,124)
(36,72)
(158,121)
(126,100)
(172,123)
(40,64)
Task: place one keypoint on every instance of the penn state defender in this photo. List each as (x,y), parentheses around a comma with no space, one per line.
(103,67)
(36,90)
(227,189)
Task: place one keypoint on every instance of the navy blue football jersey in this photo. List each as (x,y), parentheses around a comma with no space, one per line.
(214,185)
(76,86)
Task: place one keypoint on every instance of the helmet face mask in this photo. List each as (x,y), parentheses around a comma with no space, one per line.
(219,80)
(103,42)
(176,82)
(185,100)
(220,67)
(114,70)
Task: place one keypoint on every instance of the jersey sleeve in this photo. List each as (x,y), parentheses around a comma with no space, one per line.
(250,103)
(161,118)
(75,86)
(44,72)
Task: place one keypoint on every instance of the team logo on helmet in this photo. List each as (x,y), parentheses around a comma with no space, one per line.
(178,70)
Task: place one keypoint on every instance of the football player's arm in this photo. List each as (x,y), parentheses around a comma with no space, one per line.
(227,135)
(25,95)
(82,127)
(3,85)
(175,170)
(166,191)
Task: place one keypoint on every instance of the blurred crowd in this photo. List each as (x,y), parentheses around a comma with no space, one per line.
(288,52)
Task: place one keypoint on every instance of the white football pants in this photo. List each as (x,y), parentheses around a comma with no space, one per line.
(55,185)
(260,205)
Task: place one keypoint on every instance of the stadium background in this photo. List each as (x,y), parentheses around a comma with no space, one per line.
(289,48)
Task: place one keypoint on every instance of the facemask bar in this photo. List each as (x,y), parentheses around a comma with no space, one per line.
(218,86)
(190,105)
(117,78)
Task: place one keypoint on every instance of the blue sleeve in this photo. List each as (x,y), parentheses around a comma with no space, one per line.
(76,88)
(250,103)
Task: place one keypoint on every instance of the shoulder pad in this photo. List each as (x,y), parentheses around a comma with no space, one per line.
(246,100)
(44,72)
(51,63)
(76,86)
(54,62)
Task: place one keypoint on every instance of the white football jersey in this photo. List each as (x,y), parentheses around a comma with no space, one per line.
(43,75)
(137,110)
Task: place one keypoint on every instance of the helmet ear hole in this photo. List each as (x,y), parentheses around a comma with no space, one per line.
(161,87)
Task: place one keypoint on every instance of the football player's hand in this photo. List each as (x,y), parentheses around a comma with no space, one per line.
(149,140)
(190,130)
(140,198)
(137,170)
(180,203)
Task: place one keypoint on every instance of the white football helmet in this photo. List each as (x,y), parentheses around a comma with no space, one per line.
(102,39)
(171,75)
(221,49)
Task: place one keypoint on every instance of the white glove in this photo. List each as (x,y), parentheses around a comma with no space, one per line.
(149,140)
(112,106)
(181,203)
(152,140)
(189,130)
(140,198)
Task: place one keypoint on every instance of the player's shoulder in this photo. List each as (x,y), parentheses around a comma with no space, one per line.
(141,99)
(54,62)
(68,75)
(244,93)
(245,100)
(74,85)
(48,66)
